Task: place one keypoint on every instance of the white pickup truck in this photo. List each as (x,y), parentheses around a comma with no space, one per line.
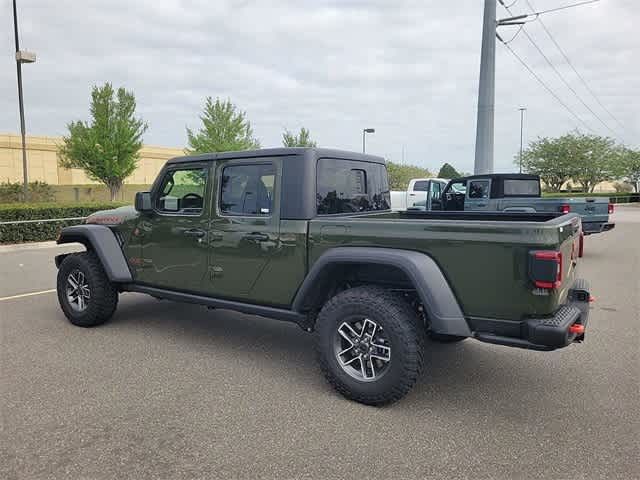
(421,194)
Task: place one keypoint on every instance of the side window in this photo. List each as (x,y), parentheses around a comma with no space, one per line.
(247,189)
(182,191)
(421,186)
(479,189)
(458,188)
(435,190)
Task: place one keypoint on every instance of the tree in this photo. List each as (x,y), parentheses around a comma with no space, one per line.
(628,166)
(108,147)
(549,158)
(587,159)
(593,159)
(447,171)
(224,129)
(399,175)
(302,139)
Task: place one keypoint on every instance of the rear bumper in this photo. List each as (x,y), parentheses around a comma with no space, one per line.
(566,326)
(590,228)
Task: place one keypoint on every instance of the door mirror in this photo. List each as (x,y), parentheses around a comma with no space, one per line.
(143,201)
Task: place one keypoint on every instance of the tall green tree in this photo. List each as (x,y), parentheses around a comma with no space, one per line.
(107,147)
(399,175)
(225,128)
(447,171)
(302,139)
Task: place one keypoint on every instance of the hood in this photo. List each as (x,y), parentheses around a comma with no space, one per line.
(115,216)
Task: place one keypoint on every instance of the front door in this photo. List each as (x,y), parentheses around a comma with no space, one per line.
(244,229)
(478,193)
(175,253)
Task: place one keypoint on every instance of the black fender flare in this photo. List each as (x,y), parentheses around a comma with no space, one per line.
(434,291)
(104,243)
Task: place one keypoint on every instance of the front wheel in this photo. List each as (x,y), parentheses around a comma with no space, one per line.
(370,345)
(86,295)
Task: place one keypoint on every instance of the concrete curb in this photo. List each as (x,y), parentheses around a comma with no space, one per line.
(16,247)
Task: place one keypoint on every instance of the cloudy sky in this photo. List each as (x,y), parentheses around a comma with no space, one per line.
(408,69)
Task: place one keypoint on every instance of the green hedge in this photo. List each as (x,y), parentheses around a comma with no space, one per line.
(38,232)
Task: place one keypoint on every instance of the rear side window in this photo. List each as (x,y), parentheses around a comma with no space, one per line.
(526,188)
(421,186)
(247,189)
(347,186)
(479,189)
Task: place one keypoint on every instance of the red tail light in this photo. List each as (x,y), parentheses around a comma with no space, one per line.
(545,268)
(610,208)
(565,208)
(581,247)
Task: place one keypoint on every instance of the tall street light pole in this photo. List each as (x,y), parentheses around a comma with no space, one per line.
(364,133)
(522,110)
(22,57)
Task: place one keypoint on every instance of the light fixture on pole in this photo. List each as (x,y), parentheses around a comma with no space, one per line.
(364,132)
(22,56)
(522,110)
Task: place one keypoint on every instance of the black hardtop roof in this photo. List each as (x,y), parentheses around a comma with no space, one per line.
(500,176)
(311,153)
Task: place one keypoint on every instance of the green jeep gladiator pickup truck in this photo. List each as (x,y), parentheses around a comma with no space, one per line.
(306,235)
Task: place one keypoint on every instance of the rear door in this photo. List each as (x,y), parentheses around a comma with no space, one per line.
(417,194)
(245,222)
(478,193)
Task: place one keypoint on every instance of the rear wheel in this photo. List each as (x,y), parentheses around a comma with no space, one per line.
(86,295)
(370,345)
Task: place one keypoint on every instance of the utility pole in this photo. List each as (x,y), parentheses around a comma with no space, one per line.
(522,110)
(22,57)
(486,92)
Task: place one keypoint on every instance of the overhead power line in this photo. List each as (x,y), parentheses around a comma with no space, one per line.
(546,87)
(561,76)
(584,82)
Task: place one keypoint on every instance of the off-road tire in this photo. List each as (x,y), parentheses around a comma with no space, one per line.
(442,338)
(400,323)
(104,295)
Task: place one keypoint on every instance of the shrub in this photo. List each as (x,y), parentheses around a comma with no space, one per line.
(41,231)
(38,192)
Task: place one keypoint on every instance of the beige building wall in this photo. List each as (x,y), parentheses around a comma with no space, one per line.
(42,162)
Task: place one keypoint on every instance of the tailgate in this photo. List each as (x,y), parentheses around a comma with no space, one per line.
(552,270)
(591,209)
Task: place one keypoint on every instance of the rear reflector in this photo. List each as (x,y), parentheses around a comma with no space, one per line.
(610,208)
(545,268)
(577,329)
(565,208)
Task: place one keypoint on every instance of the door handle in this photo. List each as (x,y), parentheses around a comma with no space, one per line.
(194,232)
(257,236)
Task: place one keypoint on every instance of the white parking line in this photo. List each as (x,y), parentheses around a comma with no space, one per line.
(23,295)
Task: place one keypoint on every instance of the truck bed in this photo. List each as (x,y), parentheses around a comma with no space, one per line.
(484,255)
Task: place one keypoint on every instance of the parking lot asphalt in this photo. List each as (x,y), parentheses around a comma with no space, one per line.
(174,391)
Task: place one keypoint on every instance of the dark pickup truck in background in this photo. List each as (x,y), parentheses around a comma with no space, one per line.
(515,192)
(307,235)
